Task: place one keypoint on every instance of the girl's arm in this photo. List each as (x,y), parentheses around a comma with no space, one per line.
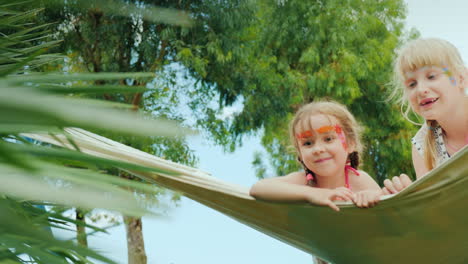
(367,191)
(292,187)
(284,188)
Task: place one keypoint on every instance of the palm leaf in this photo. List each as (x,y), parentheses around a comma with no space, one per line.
(22,228)
(31,102)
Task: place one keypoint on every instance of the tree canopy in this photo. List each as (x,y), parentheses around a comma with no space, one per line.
(303,50)
(271,57)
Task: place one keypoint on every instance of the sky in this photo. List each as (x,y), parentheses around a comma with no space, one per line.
(192,233)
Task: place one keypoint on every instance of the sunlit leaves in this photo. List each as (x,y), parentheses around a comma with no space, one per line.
(32,102)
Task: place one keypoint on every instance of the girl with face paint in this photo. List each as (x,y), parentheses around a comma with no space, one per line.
(327,141)
(430,79)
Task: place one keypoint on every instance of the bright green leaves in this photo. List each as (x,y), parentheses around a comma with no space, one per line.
(306,50)
(125,9)
(196,63)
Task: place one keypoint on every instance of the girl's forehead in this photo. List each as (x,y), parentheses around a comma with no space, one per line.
(416,57)
(409,73)
(316,123)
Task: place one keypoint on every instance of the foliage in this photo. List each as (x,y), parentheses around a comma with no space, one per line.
(35,174)
(99,39)
(96,39)
(271,57)
(305,50)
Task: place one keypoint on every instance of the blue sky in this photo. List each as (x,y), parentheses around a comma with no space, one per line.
(192,233)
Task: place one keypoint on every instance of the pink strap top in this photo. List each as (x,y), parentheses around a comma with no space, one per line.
(309,176)
(346,168)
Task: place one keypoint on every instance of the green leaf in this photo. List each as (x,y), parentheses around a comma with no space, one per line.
(147,12)
(25,107)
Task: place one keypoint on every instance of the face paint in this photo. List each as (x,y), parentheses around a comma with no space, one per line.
(341,136)
(305,134)
(452,79)
(325,129)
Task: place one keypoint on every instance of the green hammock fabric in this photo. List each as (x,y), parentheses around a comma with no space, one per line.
(424,223)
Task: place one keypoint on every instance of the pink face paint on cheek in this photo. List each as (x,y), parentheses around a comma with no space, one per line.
(341,136)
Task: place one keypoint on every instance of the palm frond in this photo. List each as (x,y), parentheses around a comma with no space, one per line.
(34,102)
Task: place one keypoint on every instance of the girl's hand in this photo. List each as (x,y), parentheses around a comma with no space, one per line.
(327,196)
(367,198)
(396,184)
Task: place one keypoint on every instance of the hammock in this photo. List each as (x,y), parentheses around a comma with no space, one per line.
(425,223)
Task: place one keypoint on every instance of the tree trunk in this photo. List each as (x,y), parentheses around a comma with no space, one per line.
(135,243)
(81,236)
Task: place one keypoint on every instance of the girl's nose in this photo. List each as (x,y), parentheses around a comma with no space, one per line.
(318,148)
(423,88)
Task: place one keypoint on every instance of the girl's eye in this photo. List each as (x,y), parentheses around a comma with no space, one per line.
(431,76)
(412,84)
(328,139)
(307,143)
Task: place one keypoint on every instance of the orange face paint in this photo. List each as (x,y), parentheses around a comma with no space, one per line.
(325,129)
(305,134)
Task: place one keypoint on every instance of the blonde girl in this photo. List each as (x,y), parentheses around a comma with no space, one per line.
(431,78)
(327,141)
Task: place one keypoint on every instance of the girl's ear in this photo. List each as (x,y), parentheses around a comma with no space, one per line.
(464,79)
(463,86)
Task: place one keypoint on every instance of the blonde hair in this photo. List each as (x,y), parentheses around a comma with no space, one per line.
(412,56)
(351,129)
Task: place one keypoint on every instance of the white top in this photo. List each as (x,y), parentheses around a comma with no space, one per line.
(441,151)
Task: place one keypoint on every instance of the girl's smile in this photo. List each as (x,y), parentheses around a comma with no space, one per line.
(322,160)
(428,102)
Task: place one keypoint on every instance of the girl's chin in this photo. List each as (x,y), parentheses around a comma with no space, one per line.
(427,115)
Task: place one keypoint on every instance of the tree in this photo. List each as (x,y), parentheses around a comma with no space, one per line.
(97,41)
(272,57)
(314,49)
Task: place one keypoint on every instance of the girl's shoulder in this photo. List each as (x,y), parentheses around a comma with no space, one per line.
(362,181)
(355,177)
(359,176)
(419,139)
(361,172)
(298,177)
